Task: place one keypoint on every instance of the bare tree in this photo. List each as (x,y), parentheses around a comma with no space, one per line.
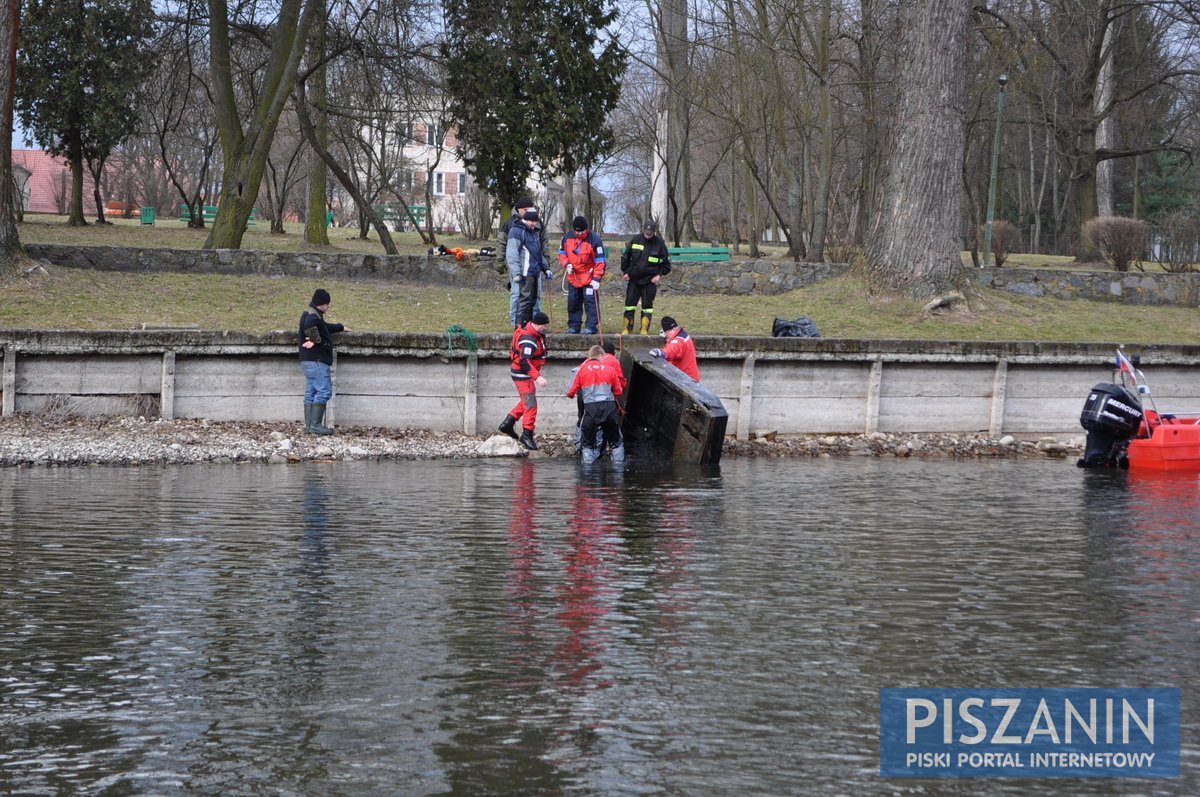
(177,119)
(286,169)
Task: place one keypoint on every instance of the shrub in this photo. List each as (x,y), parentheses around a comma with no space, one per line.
(1174,241)
(1120,239)
(1004,239)
(471,213)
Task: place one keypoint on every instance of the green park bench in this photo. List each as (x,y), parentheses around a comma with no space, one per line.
(699,254)
(394,211)
(210,215)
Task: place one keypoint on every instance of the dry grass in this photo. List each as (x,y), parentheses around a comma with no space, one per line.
(80,299)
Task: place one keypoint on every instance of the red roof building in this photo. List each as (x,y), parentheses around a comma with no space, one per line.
(48,186)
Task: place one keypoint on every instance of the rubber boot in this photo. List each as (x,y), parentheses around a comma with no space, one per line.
(506,427)
(628,328)
(308,417)
(645,324)
(527,440)
(318,420)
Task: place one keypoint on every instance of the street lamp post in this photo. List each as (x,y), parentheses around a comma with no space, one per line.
(991,206)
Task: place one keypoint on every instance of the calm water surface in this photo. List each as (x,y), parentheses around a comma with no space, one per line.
(471,628)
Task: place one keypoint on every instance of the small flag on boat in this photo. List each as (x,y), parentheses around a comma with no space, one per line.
(1123,364)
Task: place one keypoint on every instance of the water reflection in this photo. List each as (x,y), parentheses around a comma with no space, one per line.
(538,627)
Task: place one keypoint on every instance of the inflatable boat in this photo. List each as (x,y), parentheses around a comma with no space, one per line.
(1126,430)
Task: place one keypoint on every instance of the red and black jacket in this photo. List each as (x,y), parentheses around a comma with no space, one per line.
(528,352)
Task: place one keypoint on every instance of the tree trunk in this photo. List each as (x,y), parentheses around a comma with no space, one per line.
(245,148)
(671,39)
(867,183)
(316,227)
(750,194)
(1083,180)
(1104,129)
(569,202)
(10,241)
(97,171)
(825,166)
(913,248)
(75,216)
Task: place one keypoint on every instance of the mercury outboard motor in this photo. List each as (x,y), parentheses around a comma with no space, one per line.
(1111,416)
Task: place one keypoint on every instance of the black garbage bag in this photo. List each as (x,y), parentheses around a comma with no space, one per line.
(802,327)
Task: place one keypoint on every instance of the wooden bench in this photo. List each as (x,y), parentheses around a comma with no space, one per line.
(699,254)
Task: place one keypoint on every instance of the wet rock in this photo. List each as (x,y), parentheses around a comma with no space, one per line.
(500,445)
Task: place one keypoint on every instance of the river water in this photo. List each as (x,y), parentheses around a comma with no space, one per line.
(531,627)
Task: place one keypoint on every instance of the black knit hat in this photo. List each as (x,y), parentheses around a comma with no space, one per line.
(579,223)
(531,215)
(668,323)
(650,225)
(540,318)
(523,201)
(320,297)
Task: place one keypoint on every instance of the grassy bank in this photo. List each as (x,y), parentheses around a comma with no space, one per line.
(81,299)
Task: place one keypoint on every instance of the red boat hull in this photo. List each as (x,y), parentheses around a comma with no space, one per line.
(1173,444)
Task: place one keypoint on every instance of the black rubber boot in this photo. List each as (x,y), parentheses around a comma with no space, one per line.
(527,440)
(507,426)
(308,418)
(318,420)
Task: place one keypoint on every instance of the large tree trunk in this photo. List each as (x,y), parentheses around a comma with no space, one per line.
(913,248)
(316,226)
(245,148)
(670,156)
(10,240)
(868,53)
(1104,130)
(75,216)
(825,164)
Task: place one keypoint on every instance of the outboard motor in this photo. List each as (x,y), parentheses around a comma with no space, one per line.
(1111,416)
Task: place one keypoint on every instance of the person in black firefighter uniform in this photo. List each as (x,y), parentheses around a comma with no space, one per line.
(644,263)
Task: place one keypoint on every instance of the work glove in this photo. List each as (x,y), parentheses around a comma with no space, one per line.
(656,352)
(520,279)
(548,273)
(595,285)
(570,269)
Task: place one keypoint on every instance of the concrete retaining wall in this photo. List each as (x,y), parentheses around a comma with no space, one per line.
(791,386)
(751,277)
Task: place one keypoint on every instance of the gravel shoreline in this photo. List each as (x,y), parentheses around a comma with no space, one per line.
(52,440)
